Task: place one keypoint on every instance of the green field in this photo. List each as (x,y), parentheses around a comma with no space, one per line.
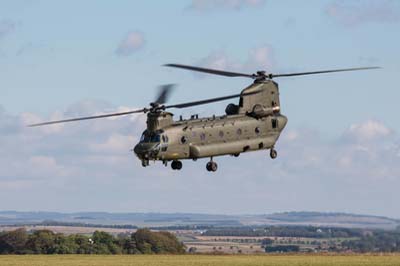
(200,260)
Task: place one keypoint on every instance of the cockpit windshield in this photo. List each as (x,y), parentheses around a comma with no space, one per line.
(150,137)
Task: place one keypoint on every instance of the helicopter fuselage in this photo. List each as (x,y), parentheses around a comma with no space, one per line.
(213,136)
(254,124)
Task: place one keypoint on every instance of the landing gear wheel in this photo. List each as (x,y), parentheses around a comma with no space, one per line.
(212,166)
(145,163)
(208,166)
(273,153)
(176,165)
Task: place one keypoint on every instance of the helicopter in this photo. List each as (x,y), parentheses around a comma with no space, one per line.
(254,124)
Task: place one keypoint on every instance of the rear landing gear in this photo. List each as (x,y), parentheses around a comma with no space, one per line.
(145,163)
(176,165)
(212,166)
(273,153)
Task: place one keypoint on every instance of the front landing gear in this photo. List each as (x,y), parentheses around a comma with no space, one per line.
(212,166)
(273,153)
(176,165)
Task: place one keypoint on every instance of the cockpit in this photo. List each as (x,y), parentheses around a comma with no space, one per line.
(150,138)
(151,144)
(153,137)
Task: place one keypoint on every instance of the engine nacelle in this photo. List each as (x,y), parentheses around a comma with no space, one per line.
(260,111)
(232,109)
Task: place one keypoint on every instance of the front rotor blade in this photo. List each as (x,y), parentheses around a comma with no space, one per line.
(189,104)
(164,93)
(87,118)
(320,72)
(211,71)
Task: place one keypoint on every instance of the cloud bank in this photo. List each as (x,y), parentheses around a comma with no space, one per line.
(132,42)
(89,166)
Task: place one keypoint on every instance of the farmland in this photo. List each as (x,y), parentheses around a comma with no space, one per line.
(199,260)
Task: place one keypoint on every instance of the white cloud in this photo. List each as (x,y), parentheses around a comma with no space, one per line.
(368,130)
(366,151)
(131,43)
(56,150)
(356,12)
(258,58)
(210,5)
(116,143)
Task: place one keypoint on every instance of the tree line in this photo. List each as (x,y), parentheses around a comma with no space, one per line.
(285,231)
(377,241)
(143,241)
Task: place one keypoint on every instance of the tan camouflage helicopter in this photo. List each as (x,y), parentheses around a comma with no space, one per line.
(254,124)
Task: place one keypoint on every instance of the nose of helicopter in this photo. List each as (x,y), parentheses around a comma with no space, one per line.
(146,150)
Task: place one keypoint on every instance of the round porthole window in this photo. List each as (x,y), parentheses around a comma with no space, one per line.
(183,140)
(257,130)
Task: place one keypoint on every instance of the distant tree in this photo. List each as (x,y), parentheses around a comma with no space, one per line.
(127,244)
(65,244)
(42,242)
(148,242)
(13,242)
(84,245)
(105,243)
(283,248)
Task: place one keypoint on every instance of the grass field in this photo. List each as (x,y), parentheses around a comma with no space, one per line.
(201,260)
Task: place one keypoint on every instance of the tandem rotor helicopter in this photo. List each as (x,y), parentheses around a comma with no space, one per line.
(255,123)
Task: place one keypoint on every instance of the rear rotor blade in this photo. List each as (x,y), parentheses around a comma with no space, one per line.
(211,71)
(206,101)
(88,117)
(320,72)
(262,74)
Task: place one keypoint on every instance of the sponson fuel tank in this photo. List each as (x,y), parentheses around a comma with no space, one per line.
(234,147)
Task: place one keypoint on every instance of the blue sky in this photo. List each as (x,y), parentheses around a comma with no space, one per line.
(340,151)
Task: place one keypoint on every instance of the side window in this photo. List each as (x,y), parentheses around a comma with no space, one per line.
(274,122)
(239,131)
(202,137)
(183,139)
(164,145)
